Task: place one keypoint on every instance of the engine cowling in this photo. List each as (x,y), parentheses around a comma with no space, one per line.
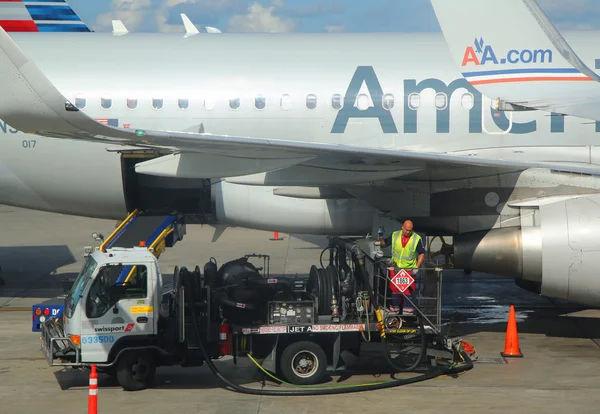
(257,207)
(560,253)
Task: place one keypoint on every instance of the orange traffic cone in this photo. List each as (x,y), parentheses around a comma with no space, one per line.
(276,236)
(511,345)
(93,392)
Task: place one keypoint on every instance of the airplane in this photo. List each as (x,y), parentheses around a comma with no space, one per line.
(329,134)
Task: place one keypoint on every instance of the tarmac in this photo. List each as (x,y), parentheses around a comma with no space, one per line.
(559,373)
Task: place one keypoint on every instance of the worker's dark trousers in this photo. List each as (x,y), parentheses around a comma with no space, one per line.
(401,305)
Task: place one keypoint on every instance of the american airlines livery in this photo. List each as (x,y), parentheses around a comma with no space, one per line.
(482,133)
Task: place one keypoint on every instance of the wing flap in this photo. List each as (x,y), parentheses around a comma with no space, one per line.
(197,165)
(302,175)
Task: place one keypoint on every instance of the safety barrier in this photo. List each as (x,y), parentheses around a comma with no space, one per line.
(428,293)
(130,218)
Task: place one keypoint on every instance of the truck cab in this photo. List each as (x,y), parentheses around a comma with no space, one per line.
(111,299)
(110,318)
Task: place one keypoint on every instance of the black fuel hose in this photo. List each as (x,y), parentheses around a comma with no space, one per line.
(223,300)
(422,351)
(440,370)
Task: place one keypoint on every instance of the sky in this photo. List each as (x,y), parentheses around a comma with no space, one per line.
(311,16)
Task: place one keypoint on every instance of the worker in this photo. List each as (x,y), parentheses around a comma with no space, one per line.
(408,252)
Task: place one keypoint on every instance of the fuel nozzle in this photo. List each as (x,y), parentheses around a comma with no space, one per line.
(335,315)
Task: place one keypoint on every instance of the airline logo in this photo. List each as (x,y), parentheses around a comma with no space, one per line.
(114,328)
(485,61)
(482,54)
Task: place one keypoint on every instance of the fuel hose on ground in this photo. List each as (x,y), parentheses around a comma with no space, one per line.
(391,341)
(438,371)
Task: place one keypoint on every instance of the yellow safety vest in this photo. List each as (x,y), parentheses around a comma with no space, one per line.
(405,257)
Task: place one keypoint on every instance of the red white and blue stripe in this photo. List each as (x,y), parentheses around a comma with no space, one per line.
(39,16)
(525,75)
(114,122)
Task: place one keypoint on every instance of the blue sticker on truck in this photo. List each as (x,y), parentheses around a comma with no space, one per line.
(93,339)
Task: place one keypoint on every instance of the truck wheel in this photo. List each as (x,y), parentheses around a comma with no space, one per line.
(303,363)
(136,370)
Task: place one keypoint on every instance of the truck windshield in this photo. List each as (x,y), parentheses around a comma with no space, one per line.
(79,286)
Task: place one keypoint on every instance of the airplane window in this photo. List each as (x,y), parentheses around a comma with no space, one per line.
(467,101)
(388,101)
(157,103)
(80,101)
(414,101)
(132,103)
(441,100)
(260,102)
(183,103)
(311,101)
(336,101)
(286,102)
(106,102)
(210,104)
(363,102)
(234,103)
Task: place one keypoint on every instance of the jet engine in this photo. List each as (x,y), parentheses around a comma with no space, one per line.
(557,256)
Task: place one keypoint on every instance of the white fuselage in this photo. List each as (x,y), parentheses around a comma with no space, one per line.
(284,73)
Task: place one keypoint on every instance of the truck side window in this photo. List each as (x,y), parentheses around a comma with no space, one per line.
(115,283)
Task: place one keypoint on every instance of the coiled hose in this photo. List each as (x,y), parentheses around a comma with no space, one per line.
(438,371)
(422,351)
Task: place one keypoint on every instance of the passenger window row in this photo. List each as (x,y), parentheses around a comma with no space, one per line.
(363,102)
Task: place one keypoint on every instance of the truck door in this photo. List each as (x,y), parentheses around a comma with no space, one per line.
(119,303)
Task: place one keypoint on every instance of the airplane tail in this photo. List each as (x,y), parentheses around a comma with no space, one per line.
(509,49)
(40,16)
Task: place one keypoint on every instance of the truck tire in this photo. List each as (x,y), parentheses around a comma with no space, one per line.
(136,371)
(303,363)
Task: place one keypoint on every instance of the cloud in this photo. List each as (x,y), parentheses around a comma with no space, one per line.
(335,29)
(559,5)
(155,15)
(579,15)
(317,9)
(261,19)
(132,12)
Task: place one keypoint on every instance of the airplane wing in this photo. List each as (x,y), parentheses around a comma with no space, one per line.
(511,52)
(32,104)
